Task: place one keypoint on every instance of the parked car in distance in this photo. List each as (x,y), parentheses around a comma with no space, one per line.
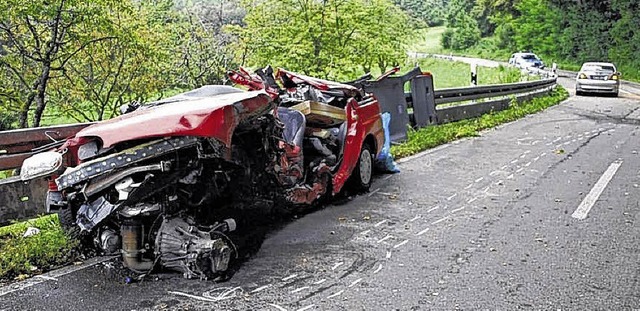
(598,78)
(526,60)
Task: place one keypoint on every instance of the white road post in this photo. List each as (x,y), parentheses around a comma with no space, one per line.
(474,74)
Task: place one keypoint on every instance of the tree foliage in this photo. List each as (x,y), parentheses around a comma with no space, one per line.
(329,38)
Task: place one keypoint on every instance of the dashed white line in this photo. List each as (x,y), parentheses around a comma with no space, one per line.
(355,282)
(527,164)
(469,186)
(583,209)
(433,209)
(479,179)
(319,282)
(306,308)
(452,196)
(422,232)
(472,200)
(415,218)
(293,276)
(337,265)
(335,294)
(401,243)
(378,224)
(385,238)
(519,170)
(504,166)
(536,159)
(514,161)
(458,209)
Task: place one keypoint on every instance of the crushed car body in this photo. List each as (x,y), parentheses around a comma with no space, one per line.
(165,184)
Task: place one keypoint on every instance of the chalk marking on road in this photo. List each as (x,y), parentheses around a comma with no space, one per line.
(549,144)
(378,269)
(293,276)
(583,209)
(415,218)
(335,294)
(574,140)
(439,220)
(422,232)
(500,182)
(515,161)
(486,189)
(277,307)
(527,164)
(401,243)
(261,288)
(519,170)
(536,159)
(433,209)
(510,176)
(535,142)
(337,265)
(479,179)
(567,143)
(472,200)
(306,308)
(374,191)
(365,232)
(355,282)
(557,139)
(319,282)
(526,152)
(388,177)
(191,296)
(523,156)
(580,138)
(46,278)
(299,289)
(385,238)
(452,196)
(494,173)
(504,166)
(469,186)
(379,223)
(458,209)
(543,154)
(7,289)
(388,255)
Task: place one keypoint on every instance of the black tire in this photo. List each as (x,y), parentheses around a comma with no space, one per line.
(362,174)
(68,223)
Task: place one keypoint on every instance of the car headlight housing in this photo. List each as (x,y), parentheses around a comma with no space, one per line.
(614,77)
(88,150)
(40,165)
(582,76)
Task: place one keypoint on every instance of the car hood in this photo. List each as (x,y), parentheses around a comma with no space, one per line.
(206,116)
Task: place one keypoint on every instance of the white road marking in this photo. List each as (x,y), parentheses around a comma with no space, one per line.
(415,218)
(388,255)
(365,232)
(510,176)
(378,269)
(355,282)
(380,223)
(385,238)
(191,296)
(514,161)
(337,265)
(536,159)
(277,307)
(433,209)
(261,288)
(494,173)
(335,294)
(519,170)
(528,163)
(558,139)
(543,154)
(583,209)
(293,276)
(401,243)
(472,200)
(319,282)
(523,156)
(526,152)
(458,209)
(479,179)
(422,232)
(374,191)
(500,182)
(486,189)
(469,186)
(46,278)
(452,196)
(535,142)
(504,166)
(567,143)
(300,289)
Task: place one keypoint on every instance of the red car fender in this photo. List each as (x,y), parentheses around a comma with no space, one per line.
(361,121)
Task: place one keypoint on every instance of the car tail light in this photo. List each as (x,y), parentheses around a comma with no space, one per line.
(52,183)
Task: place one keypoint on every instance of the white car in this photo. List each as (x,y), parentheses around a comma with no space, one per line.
(598,78)
(526,60)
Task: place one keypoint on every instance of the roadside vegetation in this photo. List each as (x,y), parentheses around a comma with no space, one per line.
(565,32)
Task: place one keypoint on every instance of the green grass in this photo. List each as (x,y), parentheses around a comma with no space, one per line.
(447,74)
(24,256)
(433,136)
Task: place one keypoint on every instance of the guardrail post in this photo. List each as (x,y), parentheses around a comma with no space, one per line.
(554,69)
(423,100)
(474,74)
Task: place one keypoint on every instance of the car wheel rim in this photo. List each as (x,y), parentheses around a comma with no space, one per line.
(365,166)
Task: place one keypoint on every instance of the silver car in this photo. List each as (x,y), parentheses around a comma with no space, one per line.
(598,78)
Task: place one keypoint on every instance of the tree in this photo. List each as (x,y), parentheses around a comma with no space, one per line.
(329,38)
(37,36)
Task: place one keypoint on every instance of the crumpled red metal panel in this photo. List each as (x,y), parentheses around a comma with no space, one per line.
(215,116)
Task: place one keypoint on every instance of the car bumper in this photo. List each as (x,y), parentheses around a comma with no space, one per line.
(597,86)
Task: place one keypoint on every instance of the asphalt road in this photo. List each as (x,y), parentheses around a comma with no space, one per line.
(538,214)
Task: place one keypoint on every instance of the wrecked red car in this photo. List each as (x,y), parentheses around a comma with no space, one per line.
(164,184)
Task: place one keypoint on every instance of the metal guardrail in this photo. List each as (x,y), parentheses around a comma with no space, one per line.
(452,95)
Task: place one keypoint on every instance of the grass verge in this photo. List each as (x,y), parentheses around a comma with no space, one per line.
(433,136)
(21,256)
